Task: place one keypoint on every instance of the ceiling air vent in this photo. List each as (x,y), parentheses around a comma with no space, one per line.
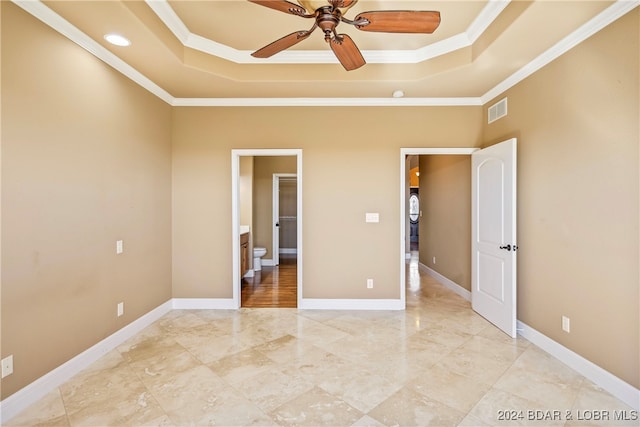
(498,110)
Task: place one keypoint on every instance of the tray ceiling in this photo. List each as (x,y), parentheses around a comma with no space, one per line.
(195,50)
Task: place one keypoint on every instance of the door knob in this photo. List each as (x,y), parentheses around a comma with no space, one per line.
(508,247)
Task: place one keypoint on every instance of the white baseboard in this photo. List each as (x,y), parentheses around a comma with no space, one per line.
(609,382)
(20,400)
(289,251)
(351,304)
(204,304)
(450,284)
(268,262)
(33,392)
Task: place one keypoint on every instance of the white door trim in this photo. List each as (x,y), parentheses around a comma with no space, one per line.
(235,212)
(404,152)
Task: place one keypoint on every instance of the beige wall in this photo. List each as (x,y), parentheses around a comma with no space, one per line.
(265,167)
(246,190)
(577,126)
(347,171)
(245,200)
(445,225)
(85,162)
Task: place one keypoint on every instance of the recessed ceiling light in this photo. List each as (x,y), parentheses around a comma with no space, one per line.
(398,94)
(117,39)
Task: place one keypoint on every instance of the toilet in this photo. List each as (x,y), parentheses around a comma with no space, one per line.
(257,254)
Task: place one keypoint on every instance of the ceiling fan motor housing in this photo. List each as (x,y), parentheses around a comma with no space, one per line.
(327,20)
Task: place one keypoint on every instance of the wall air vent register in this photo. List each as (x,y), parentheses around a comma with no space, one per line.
(497,110)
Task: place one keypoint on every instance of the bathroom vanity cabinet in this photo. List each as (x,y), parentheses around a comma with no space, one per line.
(244,254)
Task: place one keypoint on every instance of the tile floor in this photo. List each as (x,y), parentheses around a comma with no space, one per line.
(437,363)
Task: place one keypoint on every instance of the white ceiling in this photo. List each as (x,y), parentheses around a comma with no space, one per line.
(199,52)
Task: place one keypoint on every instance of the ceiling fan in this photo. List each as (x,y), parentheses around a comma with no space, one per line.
(329,13)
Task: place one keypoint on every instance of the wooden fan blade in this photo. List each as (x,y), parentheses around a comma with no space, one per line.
(347,52)
(399,21)
(282,6)
(281,44)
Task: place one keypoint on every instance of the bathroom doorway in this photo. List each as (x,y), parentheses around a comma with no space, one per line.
(273,277)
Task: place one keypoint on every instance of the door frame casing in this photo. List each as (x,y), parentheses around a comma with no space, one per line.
(404,152)
(235,213)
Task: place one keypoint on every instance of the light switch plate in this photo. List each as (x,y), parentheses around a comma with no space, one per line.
(119,246)
(372,217)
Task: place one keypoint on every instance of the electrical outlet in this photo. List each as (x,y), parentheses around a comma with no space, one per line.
(434,260)
(566,324)
(369,283)
(119,247)
(7,366)
(120,309)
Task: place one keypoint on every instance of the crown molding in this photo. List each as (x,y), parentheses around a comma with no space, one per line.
(55,21)
(325,102)
(64,27)
(167,15)
(485,18)
(606,17)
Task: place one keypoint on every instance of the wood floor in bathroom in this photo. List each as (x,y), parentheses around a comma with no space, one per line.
(273,286)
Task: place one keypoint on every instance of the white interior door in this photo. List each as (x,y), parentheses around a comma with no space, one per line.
(493,234)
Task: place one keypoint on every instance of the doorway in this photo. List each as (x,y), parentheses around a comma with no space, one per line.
(493,236)
(414,202)
(260,229)
(285,217)
(408,158)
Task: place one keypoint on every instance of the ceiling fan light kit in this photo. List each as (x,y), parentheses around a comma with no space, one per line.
(329,13)
(343,5)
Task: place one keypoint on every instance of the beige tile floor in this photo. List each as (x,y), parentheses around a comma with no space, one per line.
(437,363)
